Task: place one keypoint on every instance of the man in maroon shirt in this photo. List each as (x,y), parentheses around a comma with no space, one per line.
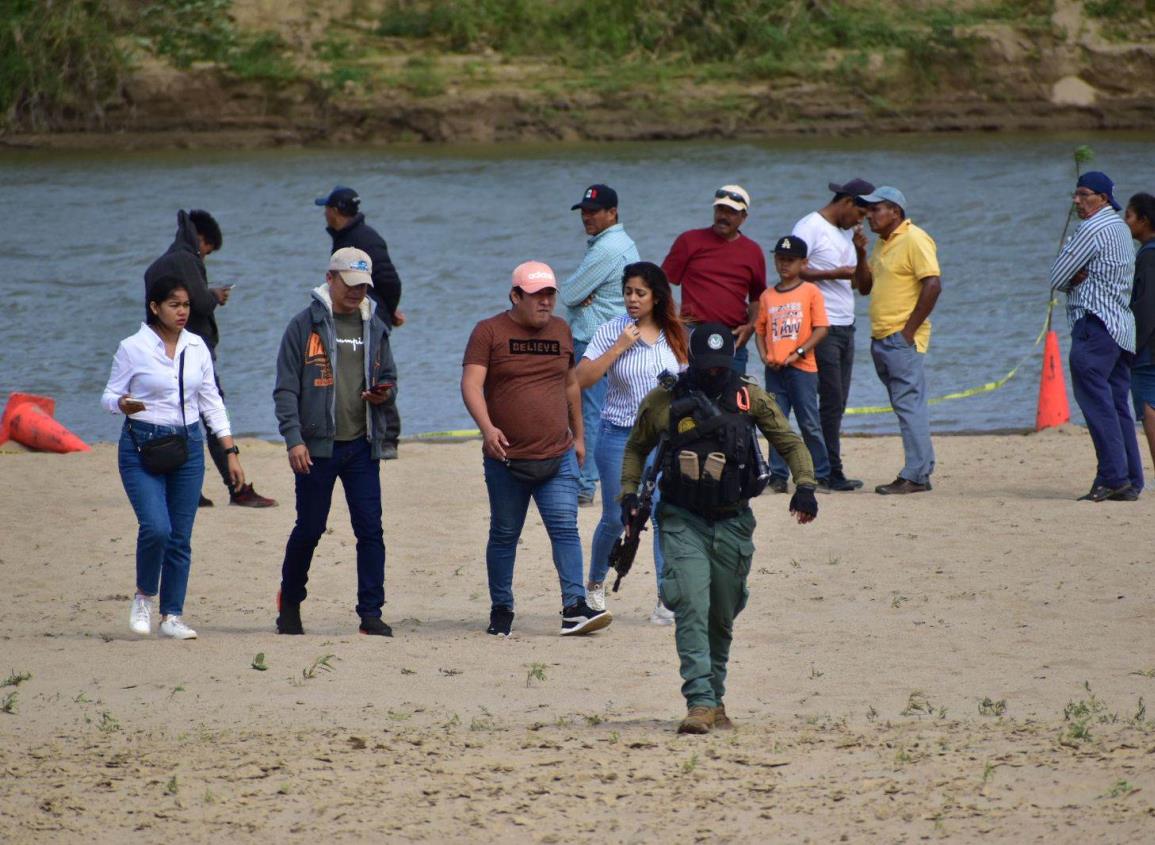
(722,272)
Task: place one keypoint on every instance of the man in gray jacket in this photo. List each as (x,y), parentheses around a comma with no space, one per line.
(335,380)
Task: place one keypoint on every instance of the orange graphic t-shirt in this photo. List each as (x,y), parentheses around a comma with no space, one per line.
(786,321)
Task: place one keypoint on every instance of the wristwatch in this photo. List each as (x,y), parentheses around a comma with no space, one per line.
(233,450)
(800,352)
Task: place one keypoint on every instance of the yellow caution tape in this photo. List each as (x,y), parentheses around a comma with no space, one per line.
(971,391)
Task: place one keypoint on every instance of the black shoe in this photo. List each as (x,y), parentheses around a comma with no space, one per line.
(901,487)
(1130,494)
(1101,493)
(822,485)
(389,452)
(500,622)
(777,484)
(375,626)
(583,619)
(205,502)
(842,484)
(289,620)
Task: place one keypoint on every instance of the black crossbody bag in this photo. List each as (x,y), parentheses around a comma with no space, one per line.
(162,455)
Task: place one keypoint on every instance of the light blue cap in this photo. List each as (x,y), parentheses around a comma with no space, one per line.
(887,193)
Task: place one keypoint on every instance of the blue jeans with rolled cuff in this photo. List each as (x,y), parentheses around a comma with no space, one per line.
(360,474)
(557,502)
(166,507)
(611,447)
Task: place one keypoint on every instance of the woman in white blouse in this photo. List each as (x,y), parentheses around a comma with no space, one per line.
(145,386)
(632,350)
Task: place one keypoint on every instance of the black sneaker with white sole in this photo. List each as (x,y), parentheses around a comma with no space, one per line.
(500,622)
(580,618)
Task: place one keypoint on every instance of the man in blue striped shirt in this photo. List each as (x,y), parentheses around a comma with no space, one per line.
(1095,269)
(592,296)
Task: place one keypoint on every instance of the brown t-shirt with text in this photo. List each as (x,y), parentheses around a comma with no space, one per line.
(525,380)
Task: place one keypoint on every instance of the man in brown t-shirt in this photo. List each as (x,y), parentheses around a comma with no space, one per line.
(521,388)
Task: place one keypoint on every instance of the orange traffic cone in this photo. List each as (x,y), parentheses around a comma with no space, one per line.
(1053,407)
(28,420)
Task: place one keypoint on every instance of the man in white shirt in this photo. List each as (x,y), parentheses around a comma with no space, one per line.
(835,261)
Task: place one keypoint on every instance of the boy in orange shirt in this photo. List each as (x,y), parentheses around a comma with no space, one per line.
(791,322)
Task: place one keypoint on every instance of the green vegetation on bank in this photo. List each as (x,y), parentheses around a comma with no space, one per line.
(58,58)
(64,62)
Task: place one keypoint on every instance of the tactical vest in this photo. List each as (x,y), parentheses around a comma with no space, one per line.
(713,464)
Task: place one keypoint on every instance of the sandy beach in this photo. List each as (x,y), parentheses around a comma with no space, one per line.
(973,663)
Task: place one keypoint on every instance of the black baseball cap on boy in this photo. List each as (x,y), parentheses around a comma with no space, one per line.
(791,246)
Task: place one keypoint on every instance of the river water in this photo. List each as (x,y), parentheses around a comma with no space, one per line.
(80,229)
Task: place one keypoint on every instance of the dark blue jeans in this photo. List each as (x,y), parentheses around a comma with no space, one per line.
(593,398)
(1101,378)
(508,505)
(835,359)
(797,390)
(360,475)
(165,506)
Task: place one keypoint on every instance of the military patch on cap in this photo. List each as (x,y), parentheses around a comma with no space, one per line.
(715,342)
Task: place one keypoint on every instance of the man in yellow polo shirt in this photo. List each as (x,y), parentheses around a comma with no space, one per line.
(904,283)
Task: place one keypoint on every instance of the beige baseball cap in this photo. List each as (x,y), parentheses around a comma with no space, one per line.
(354,265)
(732,196)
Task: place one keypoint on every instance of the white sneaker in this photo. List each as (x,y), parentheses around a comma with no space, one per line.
(596,596)
(175,628)
(662,615)
(140,618)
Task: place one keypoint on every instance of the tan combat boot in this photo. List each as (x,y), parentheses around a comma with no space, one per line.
(698,721)
(721,720)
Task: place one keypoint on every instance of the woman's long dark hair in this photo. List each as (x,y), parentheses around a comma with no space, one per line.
(665,313)
(159,291)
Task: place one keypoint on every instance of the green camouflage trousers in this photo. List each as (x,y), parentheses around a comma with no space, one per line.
(704,583)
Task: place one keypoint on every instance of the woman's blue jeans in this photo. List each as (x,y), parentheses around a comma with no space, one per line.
(166,506)
(611,447)
(557,502)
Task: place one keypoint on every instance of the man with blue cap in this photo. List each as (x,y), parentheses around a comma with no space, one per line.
(347,227)
(1095,268)
(904,277)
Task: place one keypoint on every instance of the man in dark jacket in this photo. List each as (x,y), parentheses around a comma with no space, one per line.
(198,235)
(346,225)
(335,379)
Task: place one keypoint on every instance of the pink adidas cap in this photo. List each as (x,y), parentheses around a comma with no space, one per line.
(534,276)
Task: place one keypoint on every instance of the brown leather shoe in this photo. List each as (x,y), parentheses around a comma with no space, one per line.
(900,487)
(247,497)
(721,720)
(698,721)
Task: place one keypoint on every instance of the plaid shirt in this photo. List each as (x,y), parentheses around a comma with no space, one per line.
(600,273)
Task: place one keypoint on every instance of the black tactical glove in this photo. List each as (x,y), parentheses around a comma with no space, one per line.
(803,501)
(629,505)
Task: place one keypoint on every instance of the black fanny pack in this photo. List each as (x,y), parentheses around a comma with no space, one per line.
(534,471)
(162,455)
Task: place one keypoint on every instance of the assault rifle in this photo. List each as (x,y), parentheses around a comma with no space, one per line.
(626,546)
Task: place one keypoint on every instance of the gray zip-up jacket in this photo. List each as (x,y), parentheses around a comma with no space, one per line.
(305,397)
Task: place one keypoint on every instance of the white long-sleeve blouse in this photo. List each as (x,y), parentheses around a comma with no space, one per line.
(142,370)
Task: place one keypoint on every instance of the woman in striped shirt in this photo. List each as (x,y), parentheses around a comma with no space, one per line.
(632,350)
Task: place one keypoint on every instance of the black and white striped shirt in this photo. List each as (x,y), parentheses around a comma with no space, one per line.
(1101,245)
(634,374)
